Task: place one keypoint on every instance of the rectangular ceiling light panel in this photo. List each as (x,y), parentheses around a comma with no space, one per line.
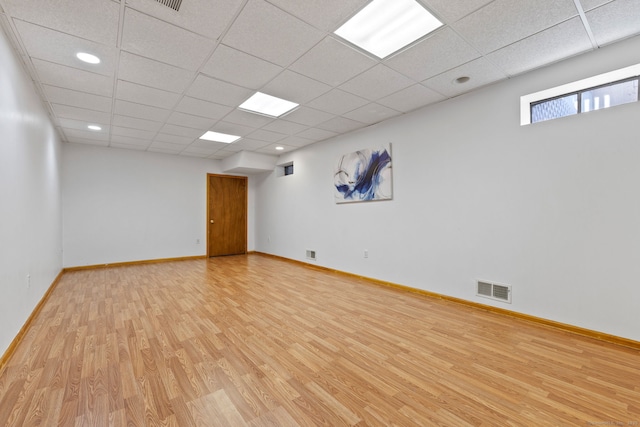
(386,26)
(267,105)
(219,137)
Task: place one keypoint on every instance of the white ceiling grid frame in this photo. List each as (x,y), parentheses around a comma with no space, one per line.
(553,44)
(265,31)
(169,44)
(240,68)
(612,21)
(204,60)
(519,19)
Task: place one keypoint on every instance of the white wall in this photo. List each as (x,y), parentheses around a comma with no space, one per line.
(30,209)
(552,209)
(123,205)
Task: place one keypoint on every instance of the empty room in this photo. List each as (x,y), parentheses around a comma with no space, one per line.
(304,212)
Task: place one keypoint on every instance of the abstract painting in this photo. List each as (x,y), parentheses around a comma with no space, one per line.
(363,175)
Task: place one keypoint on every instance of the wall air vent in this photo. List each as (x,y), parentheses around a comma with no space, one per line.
(494,291)
(173,4)
(311,255)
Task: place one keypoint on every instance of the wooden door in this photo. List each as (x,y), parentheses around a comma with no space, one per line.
(227,215)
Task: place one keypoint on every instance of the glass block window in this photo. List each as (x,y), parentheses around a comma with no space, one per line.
(609,96)
(605,90)
(554,108)
(591,99)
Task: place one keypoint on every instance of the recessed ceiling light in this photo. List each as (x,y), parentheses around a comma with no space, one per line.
(386,26)
(88,58)
(279,148)
(94,127)
(219,137)
(267,105)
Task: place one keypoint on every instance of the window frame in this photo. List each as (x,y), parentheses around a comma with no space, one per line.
(617,76)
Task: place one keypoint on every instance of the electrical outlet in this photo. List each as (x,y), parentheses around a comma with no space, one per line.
(268,238)
(28,280)
(366,253)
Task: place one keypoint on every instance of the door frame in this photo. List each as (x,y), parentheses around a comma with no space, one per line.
(246,223)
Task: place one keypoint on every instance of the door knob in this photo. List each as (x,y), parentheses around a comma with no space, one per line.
(211,221)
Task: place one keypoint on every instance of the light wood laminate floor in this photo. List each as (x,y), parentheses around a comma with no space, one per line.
(256,341)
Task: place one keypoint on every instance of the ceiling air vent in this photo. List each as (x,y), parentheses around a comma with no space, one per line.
(173,4)
(494,291)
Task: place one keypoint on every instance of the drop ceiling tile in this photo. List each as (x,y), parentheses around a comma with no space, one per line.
(265,31)
(166,147)
(126,108)
(54,46)
(341,125)
(208,145)
(182,131)
(133,133)
(88,142)
(248,119)
(232,128)
(332,62)
(73,78)
(376,83)
(207,151)
(128,146)
(169,44)
(58,95)
(411,98)
(173,139)
(316,134)
(249,144)
(190,121)
(554,44)
(155,149)
(152,73)
(284,126)
(295,87)
(480,71)
(451,11)
(308,116)
(229,150)
(615,20)
(68,112)
(445,45)
(265,135)
(120,139)
(296,141)
(271,149)
(140,94)
(187,153)
(587,5)
(240,68)
(198,107)
(95,20)
(82,125)
(337,102)
(326,15)
(206,17)
(217,91)
(73,134)
(135,123)
(372,113)
(518,19)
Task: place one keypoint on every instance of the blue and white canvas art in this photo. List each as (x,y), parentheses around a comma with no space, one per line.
(363,175)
